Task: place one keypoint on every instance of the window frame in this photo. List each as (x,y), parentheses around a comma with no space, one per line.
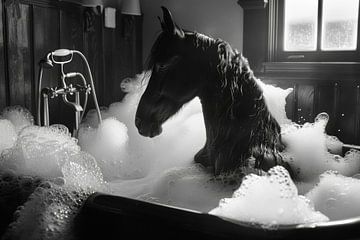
(276,40)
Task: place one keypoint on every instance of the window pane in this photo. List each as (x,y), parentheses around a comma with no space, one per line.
(300,25)
(339,28)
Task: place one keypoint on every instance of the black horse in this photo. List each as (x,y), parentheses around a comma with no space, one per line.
(238,124)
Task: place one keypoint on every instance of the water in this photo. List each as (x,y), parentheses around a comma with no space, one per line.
(113,158)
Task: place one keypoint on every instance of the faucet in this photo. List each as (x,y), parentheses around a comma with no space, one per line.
(65,89)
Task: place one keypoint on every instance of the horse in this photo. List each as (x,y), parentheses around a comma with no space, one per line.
(239,127)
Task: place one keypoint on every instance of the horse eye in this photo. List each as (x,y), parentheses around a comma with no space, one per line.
(162,67)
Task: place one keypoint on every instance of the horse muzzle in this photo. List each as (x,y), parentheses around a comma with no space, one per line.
(148,129)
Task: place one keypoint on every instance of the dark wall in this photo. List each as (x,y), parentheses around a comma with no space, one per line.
(30,29)
(219,19)
(332,87)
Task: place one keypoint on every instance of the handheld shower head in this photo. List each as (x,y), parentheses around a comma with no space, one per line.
(46,63)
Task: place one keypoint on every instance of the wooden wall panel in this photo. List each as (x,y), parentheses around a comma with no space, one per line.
(3,82)
(325,102)
(346,113)
(340,99)
(72,37)
(19,55)
(305,103)
(47,38)
(93,49)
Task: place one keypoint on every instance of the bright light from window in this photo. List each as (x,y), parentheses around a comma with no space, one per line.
(339,25)
(301,25)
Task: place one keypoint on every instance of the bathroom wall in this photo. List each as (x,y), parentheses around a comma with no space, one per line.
(33,28)
(219,19)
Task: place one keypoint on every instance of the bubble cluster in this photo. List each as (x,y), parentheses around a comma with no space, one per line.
(189,187)
(40,151)
(307,150)
(19,116)
(139,157)
(8,134)
(270,200)
(107,143)
(275,99)
(48,214)
(336,196)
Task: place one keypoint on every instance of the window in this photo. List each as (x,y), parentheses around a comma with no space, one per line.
(317,30)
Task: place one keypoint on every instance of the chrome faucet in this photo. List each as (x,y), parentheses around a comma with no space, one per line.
(65,89)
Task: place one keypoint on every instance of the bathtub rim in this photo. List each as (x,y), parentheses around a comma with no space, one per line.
(100,204)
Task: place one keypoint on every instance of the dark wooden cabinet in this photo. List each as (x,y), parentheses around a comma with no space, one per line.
(30,29)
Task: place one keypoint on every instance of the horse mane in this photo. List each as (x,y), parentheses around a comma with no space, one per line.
(237,80)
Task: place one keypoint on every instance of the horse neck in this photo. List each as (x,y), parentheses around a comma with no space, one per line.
(224,104)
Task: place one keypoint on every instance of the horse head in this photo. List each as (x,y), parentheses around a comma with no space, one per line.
(175,77)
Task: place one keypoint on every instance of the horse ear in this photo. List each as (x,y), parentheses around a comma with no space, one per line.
(163,27)
(169,25)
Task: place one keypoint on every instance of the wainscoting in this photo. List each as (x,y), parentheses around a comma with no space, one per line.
(333,88)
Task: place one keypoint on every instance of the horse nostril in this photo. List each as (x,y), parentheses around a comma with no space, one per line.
(137,121)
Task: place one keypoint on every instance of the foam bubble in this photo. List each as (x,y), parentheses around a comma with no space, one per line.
(40,151)
(107,143)
(307,150)
(183,135)
(275,99)
(19,116)
(334,145)
(8,134)
(83,172)
(269,200)
(48,214)
(190,187)
(336,196)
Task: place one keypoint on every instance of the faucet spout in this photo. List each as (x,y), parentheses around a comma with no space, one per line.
(77,107)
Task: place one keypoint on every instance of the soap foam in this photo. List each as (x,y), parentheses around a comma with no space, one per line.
(107,144)
(307,150)
(48,214)
(8,135)
(183,134)
(336,196)
(190,187)
(269,200)
(19,116)
(275,99)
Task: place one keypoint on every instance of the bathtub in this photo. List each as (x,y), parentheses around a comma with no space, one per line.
(109,217)
(105,216)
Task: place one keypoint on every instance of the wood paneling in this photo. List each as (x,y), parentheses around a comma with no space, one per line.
(93,48)
(346,113)
(332,88)
(46,29)
(71,37)
(19,54)
(3,83)
(305,103)
(326,101)
(34,28)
